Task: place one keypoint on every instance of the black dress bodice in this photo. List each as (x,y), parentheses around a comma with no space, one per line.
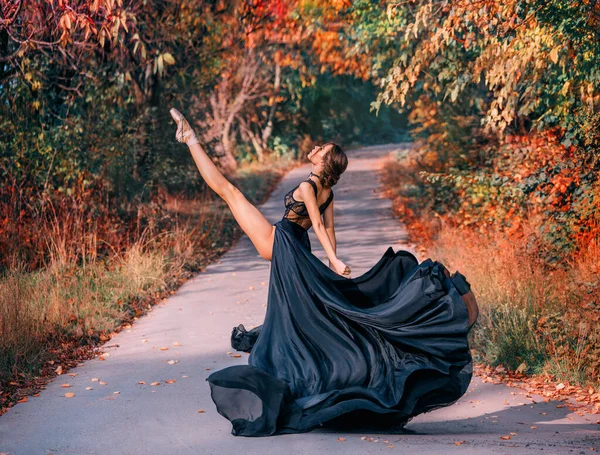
(297,212)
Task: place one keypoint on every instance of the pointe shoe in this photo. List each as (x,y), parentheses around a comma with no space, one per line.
(184,132)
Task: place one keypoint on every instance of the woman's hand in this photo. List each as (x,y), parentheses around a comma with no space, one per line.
(340,267)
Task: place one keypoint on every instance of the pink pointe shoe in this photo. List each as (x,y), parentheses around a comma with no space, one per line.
(184,133)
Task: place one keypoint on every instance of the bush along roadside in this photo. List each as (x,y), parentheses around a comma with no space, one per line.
(539,322)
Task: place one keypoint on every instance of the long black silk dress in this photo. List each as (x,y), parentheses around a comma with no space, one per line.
(378,349)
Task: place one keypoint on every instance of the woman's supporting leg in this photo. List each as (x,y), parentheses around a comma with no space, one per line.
(250,219)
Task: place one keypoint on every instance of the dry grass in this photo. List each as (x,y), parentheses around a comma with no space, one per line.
(81,296)
(544,319)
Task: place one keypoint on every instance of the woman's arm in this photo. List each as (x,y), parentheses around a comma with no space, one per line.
(310,201)
(328,223)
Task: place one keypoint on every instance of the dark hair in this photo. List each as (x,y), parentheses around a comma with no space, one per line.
(335,163)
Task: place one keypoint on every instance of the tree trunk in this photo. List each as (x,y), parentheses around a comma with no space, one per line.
(266,135)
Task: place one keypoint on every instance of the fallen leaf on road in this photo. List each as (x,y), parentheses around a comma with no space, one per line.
(200,411)
(164,348)
(533,427)
(391,446)
(65,386)
(69,394)
(237,355)
(95,379)
(22,400)
(177,343)
(505,437)
(457,443)
(116,393)
(154,383)
(89,388)
(340,439)
(102,383)
(141,382)
(170,381)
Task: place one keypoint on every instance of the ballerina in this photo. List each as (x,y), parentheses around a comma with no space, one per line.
(385,346)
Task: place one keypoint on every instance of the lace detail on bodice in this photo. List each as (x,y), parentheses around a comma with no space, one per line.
(296,211)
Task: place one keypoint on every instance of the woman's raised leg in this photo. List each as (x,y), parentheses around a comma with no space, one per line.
(250,219)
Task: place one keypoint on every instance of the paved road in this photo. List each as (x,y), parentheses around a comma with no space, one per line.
(164,419)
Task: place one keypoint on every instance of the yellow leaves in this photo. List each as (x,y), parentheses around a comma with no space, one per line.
(168,58)
(554,55)
(65,21)
(69,395)
(94,6)
(161,61)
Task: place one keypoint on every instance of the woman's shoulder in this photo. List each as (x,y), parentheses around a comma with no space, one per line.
(312,183)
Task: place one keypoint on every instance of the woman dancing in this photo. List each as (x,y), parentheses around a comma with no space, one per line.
(378,349)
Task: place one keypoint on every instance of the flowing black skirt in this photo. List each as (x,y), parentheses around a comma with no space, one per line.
(380,348)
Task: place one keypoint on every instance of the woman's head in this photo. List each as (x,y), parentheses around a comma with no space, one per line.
(331,160)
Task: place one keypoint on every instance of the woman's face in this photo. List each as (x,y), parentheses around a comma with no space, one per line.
(317,153)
